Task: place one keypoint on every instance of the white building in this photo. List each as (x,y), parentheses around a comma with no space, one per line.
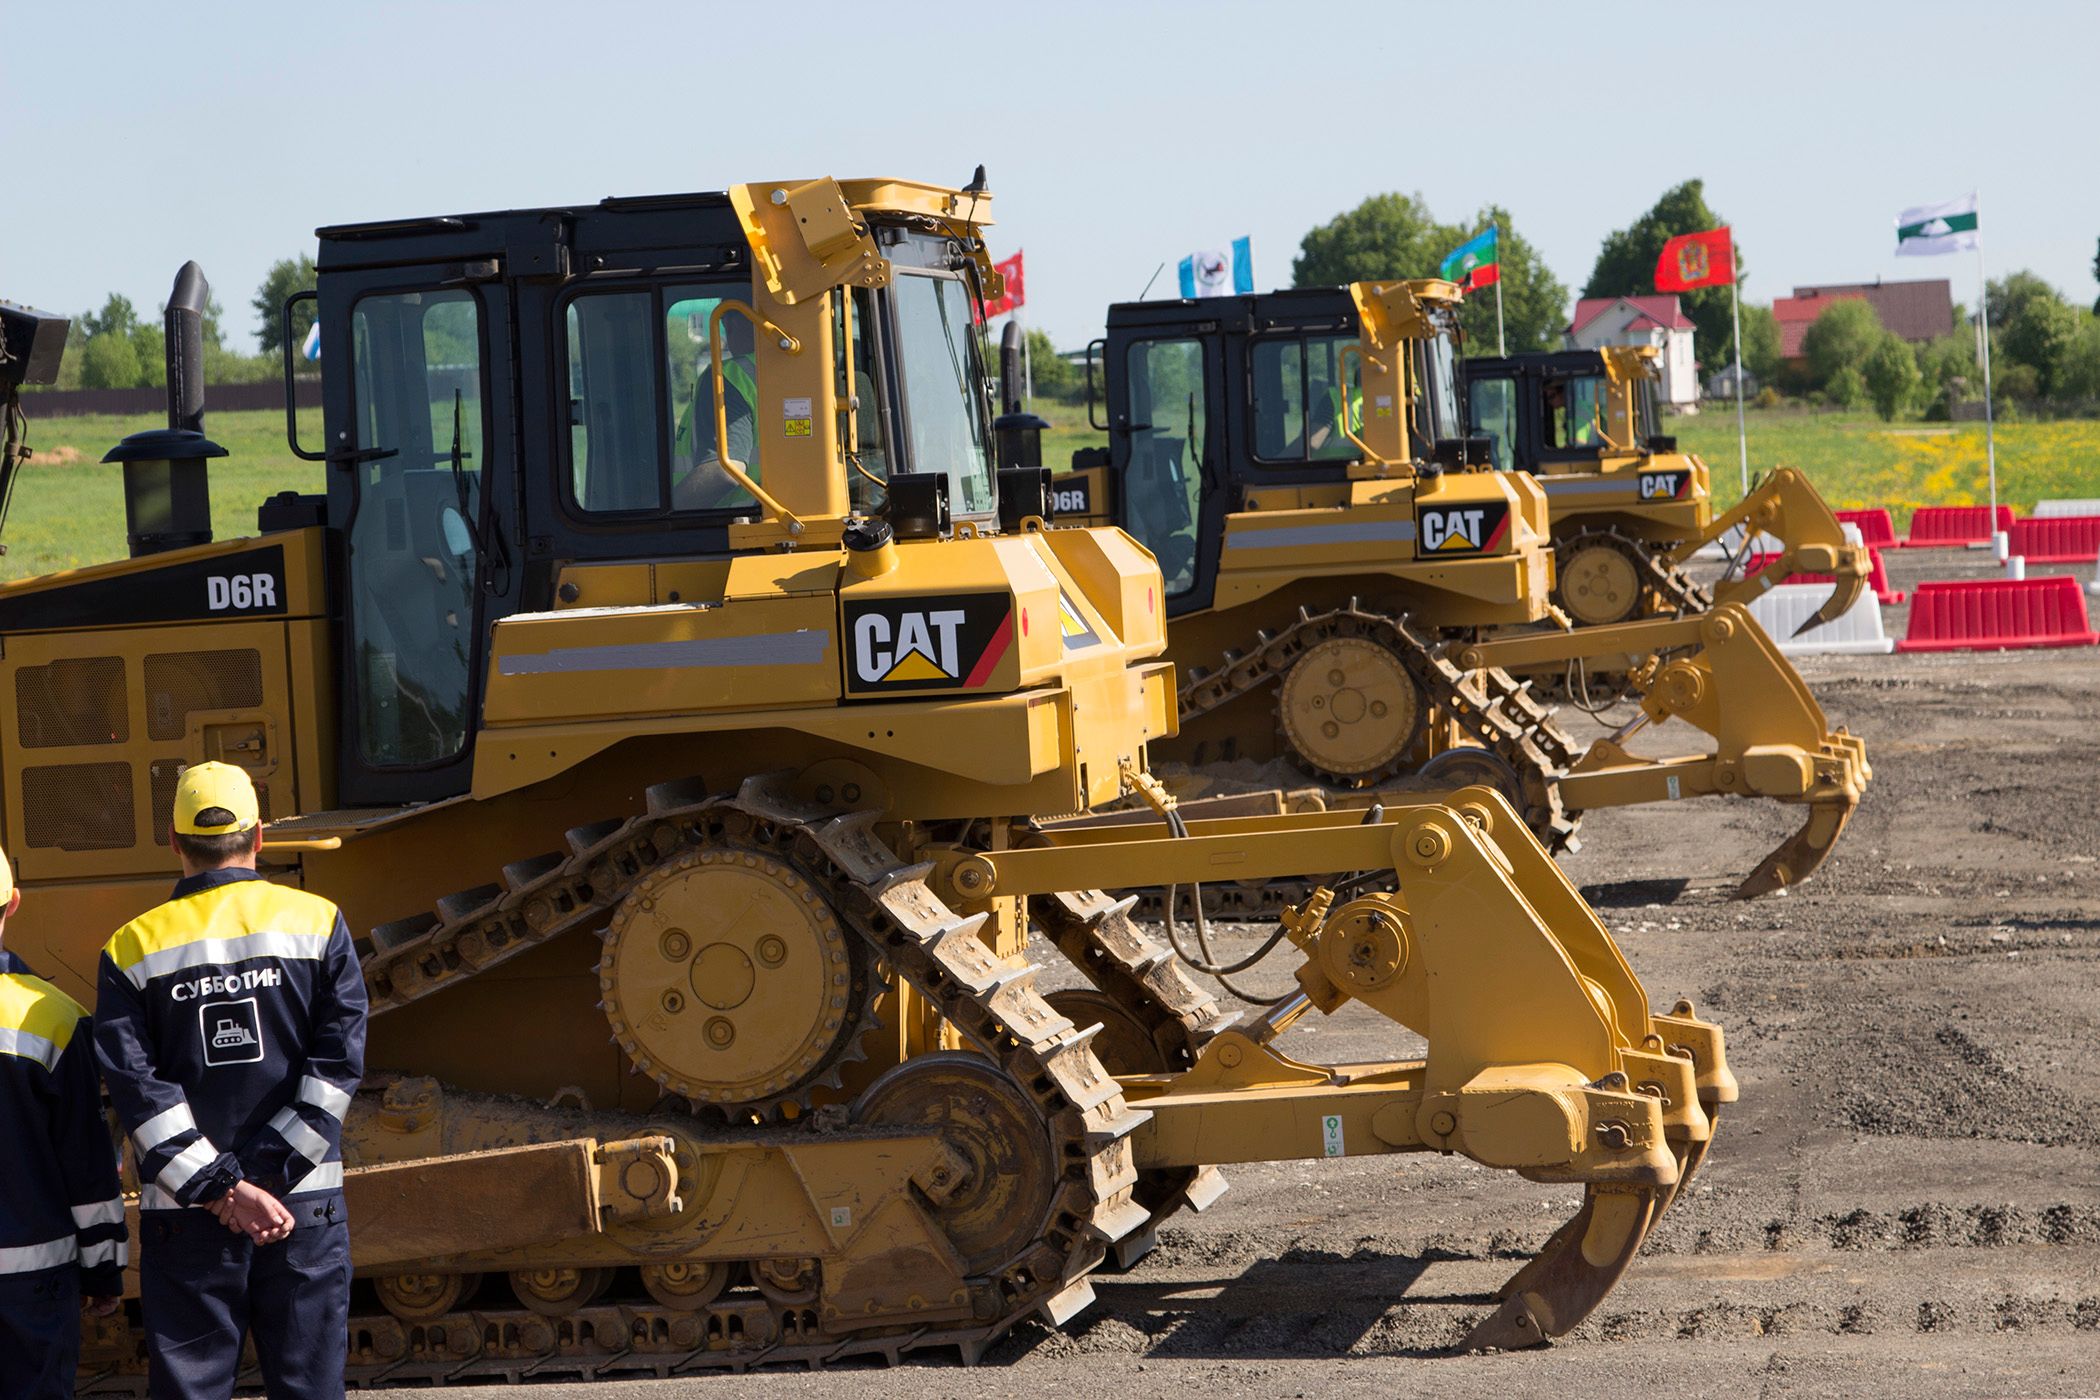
(1655,320)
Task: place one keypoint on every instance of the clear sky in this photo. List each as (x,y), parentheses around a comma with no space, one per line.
(1117,135)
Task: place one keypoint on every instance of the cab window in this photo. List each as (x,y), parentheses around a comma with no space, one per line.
(1574,414)
(1302,404)
(940,376)
(1491,412)
(642,422)
(418,379)
(1163,481)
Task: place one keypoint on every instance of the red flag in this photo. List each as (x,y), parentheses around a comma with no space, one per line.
(1693,260)
(1015,293)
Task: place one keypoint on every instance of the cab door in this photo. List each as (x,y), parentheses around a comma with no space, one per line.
(421,456)
(1164,447)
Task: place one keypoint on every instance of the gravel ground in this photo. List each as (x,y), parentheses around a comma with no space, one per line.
(1906,1201)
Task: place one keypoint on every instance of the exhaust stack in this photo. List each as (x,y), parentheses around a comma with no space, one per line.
(185,337)
(167,491)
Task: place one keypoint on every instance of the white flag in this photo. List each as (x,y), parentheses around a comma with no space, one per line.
(1937,228)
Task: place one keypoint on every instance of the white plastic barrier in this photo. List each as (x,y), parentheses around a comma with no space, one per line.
(1787,606)
(2062,505)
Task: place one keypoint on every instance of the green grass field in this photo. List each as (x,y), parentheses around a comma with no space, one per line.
(69,509)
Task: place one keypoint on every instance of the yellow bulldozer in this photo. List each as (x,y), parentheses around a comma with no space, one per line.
(1628,511)
(1354,593)
(675,698)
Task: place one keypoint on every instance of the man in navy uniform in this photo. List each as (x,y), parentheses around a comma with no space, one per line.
(61,1218)
(231,1028)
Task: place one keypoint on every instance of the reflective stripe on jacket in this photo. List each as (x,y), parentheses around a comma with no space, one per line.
(59,1203)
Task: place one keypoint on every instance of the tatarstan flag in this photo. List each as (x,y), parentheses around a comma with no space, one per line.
(1693,260)
(1475,263)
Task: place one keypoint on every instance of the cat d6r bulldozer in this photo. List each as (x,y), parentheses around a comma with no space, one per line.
(1354,592)
(1627,509)
(673,696)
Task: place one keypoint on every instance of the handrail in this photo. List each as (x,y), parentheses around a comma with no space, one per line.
(737,472)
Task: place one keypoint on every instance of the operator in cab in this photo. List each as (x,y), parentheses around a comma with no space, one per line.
(698,481)
(62,1239)
(231,1029)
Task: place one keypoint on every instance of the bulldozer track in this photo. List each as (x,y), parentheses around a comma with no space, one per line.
(1143,978)
(1496,712)
(1675,592)
(912,931)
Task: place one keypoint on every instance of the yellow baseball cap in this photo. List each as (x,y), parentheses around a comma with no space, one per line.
(204,786)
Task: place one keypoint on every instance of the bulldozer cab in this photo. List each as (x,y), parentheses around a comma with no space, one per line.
(1213,405)
(1563,410)
(511,397)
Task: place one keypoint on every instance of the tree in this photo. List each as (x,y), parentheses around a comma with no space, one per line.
(286,276)
(1840,338)
(1847,388)
(1761,343)
(1625,265)
(2033,324)
(1891,375)
(110,361)
(1393,235)
(2078,370)
(117,317)
(2096,277)
(1055,376)
(1534,301)
(1386,236)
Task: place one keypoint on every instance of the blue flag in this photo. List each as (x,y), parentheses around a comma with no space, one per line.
(1214,273)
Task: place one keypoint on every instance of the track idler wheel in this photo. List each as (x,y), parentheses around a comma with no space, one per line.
(424,1297)
(1349,710)
(729,979)
(1598,582)
(1010,1179)
(1579,1265)
(552,1292)
(786,1281)
(687,1285)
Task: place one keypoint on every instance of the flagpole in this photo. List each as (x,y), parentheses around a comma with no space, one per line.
(1501,345)
(1990,439)
(1735,314)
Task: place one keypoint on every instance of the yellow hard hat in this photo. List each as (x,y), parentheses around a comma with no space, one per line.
(204,786)
(7,879)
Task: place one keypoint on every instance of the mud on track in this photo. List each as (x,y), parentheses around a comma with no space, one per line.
(1906,1201)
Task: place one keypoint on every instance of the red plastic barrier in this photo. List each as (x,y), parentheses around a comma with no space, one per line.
(1998,615)
(1942,527)
(2058,539)
(1878,579)
(1875,527)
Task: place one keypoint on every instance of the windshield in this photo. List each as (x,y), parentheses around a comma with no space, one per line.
(1439,387)
(942,379)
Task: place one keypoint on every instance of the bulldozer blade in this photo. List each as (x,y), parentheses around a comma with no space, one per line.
(1571,1276)
(1803,853)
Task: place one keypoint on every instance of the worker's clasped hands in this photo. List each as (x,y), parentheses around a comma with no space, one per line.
(249,1210)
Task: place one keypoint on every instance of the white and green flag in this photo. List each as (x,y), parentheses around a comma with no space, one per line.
(1937,228)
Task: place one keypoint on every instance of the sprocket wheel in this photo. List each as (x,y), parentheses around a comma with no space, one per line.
(1010,1179)
(728,977)
(1349,710)
(1598,582)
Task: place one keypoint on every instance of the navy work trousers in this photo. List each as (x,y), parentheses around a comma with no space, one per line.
(40,1334)
(202,1288)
